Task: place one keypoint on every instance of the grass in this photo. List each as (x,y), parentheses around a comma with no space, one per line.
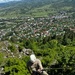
(66,8)
(42,11)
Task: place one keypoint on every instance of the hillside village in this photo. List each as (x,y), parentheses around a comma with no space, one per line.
(37,27)
(43,27)
(16,29)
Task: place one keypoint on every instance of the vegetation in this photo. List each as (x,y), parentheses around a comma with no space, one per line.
(32,8)
(48,51)
(45,27)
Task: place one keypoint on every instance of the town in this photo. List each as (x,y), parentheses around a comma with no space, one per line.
(37,27)
(43,28)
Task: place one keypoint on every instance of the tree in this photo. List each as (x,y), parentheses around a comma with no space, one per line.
(53,43)
(15,66)
(1,58)
(12,47)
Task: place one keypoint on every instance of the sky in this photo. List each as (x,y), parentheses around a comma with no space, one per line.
(2,1)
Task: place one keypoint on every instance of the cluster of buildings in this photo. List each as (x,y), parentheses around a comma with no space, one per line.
(39,27)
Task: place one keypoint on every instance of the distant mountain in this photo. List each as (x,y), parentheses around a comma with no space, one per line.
(34,7)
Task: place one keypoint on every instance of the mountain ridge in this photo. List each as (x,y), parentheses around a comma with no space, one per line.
(27,7)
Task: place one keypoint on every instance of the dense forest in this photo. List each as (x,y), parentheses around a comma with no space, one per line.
(54,52)
(43,27)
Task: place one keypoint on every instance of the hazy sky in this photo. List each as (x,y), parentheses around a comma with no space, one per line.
(2,1)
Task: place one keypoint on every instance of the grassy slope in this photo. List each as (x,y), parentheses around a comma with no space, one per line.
(21,9)
(42,11)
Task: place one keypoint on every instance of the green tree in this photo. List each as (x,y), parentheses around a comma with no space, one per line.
(1,58)
(53,43)
(12,47)
(15,66)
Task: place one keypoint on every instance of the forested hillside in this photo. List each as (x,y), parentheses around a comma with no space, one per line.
(18,9)
(33,7)
(43,27)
